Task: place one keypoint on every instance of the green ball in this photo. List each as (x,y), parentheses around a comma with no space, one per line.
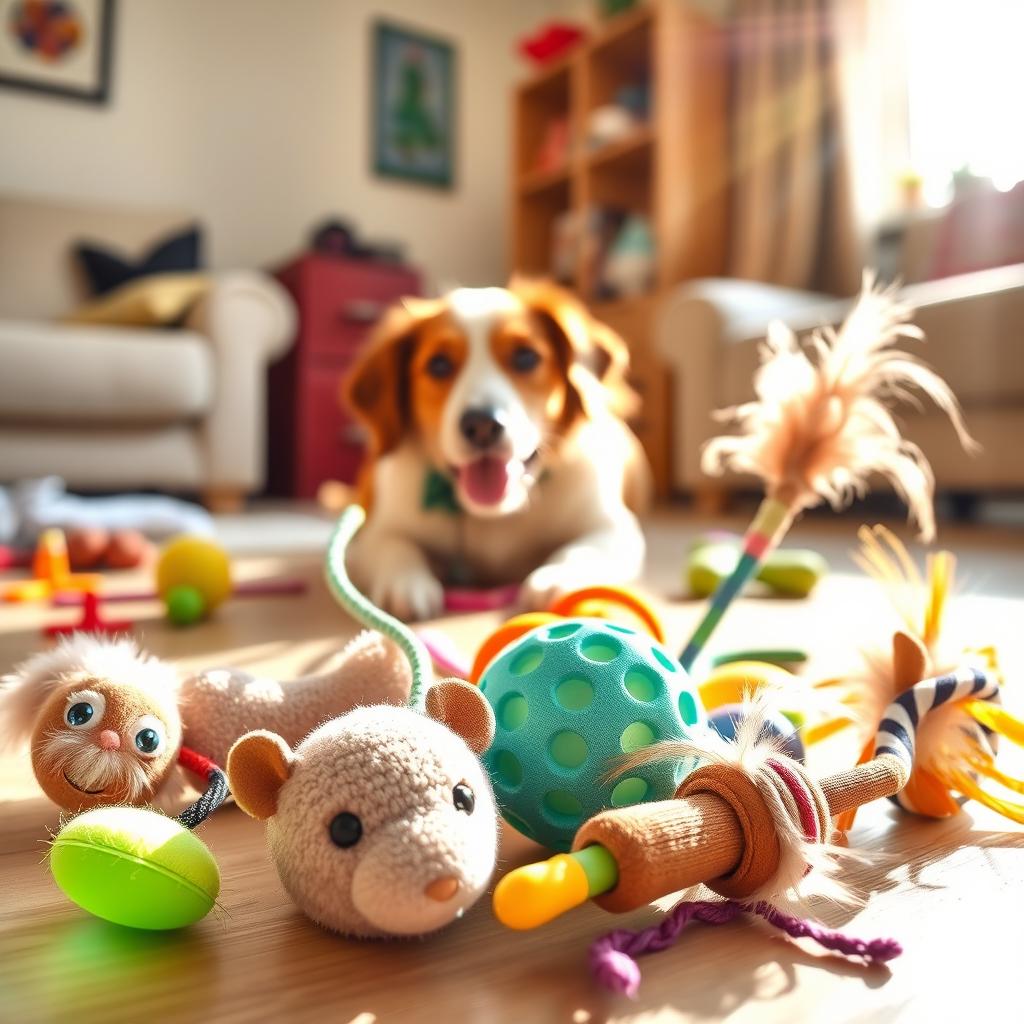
(135,867)
(185,605)
(569,698)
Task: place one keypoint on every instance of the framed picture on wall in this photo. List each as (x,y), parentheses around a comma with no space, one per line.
(414,106)
(60,47)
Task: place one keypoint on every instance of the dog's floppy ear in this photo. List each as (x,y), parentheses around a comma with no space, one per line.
(591,349)
(377,387)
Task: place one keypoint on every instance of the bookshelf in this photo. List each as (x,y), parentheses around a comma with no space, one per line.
(669,167)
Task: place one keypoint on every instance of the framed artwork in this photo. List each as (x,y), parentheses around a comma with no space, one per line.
(414,106)
(60,47)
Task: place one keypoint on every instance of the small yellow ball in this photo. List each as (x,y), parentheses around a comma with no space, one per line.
(195,562)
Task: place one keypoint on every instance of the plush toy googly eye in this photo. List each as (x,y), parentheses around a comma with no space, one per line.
(148,736)
(85,709)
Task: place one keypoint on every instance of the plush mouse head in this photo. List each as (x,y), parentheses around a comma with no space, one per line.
(102,718)
(381,822)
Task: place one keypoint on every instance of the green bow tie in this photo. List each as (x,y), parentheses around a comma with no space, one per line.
(439,493)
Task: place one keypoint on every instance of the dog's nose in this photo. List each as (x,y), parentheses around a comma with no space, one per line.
(109,740)
(442,889)
(482,428)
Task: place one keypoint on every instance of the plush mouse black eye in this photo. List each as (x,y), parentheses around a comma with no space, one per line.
(79,714)
(346,830)
(462,797)
(440,366)
(525,359)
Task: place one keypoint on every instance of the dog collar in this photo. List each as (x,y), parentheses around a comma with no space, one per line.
(439,494)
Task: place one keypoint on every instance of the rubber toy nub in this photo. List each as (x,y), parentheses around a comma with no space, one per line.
(135,867)
(537,893)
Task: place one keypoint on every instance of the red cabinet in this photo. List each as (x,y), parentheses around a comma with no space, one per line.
(311,437)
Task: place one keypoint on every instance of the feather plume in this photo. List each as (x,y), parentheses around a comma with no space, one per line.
(820,426)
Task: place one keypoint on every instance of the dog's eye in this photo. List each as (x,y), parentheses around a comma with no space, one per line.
(462,797)
(79,714)
(440,366)
(525,359)
(149,735)
(345,829)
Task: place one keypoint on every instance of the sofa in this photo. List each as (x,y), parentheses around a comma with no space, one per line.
(708,331)
(130,407)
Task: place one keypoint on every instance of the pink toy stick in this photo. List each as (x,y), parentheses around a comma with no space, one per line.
(468,599)
(444,654)
(251,588)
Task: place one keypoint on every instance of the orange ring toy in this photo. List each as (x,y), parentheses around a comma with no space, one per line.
(504,635)
(572,604)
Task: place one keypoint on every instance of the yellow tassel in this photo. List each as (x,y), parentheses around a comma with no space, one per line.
(996,718)
(963,783)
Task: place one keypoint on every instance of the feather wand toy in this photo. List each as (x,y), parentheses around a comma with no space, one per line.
(819,429)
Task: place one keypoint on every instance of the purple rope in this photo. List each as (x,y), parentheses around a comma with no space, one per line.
(613,956)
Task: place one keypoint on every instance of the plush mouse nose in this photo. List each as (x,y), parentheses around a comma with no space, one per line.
(482,428)
(109,740)
(442,889)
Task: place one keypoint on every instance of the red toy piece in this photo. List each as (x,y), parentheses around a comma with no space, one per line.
(91,621)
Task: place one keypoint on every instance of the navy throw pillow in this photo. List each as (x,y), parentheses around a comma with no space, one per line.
(106,270)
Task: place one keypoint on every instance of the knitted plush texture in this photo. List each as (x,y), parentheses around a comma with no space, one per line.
(221,704)
(396,771)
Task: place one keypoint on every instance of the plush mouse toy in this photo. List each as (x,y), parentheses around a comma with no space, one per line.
(382,821)
(106,721)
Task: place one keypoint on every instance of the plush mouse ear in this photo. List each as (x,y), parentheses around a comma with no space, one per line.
(258,765)
(464,709)
(377,388)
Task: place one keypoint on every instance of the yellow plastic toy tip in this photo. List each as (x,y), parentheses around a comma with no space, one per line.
(537,893)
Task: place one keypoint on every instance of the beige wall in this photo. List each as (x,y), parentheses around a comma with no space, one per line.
(255,114)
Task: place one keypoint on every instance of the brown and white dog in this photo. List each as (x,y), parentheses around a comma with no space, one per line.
(497,451)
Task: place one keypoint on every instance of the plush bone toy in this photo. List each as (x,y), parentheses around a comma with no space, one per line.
(106,721)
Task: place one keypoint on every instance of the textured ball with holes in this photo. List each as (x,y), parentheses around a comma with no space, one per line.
(569,698)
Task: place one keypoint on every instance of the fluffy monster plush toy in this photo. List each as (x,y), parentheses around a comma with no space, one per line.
(106,722)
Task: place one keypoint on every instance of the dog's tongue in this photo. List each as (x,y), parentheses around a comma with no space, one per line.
(485,480)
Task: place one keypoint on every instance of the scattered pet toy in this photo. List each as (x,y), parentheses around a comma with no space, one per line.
(381,821)
(791,572)
(750,823)
(818,430)
(51,572)
(956,745)
(91,621)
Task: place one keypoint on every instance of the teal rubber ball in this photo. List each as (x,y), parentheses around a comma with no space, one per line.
(569,698)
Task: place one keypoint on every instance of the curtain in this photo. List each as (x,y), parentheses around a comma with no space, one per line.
(794,212)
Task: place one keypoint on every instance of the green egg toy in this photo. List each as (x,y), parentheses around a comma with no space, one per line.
(570,697)
(135,867)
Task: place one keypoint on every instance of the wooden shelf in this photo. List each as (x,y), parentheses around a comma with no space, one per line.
(672,169)
(535,182)
(638,140)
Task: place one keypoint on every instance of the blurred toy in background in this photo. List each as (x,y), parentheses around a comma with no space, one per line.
(51,572)
(193,578)
(32,506)
(553,152)
(819,429)
(608,124)
(628,268)
(92,547)
(553,40)
(787,572)
(957,744)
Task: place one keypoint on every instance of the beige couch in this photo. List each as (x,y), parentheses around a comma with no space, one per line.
(709,330)
(128,407)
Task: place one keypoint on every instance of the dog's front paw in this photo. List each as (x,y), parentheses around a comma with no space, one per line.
(547,584)
(410,595)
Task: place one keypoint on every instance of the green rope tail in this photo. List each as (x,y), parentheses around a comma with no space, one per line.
(368,614)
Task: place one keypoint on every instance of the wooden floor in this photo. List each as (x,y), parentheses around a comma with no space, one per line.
(952,892)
